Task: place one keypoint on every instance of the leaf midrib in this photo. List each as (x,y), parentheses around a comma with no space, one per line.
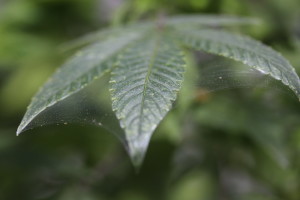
(150,67)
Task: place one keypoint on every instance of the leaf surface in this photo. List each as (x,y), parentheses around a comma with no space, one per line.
(245,50)
(209,20)
(143,86)
(87,65)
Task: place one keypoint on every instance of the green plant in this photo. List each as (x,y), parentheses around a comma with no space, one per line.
(146,63)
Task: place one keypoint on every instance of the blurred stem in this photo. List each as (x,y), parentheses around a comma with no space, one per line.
(120,14)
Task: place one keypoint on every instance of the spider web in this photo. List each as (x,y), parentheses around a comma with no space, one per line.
(92,105)
(217,74)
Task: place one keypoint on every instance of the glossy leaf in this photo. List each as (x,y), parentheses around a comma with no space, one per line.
(143,86)
(245,50)
(87,65)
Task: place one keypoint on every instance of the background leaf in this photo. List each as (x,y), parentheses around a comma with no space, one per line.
(209,20)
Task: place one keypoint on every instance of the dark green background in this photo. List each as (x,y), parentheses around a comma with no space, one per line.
(233,144)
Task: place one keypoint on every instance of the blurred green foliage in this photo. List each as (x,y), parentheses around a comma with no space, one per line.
(234,144)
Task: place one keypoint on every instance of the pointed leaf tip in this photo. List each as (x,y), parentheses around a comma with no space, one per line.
(19,130)
(137,149)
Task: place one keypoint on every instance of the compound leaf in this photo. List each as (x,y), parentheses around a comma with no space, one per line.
(147,69)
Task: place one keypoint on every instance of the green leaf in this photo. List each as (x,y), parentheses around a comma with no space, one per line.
(147,66)
(209,20)
(105,34)
(87,65)
(144,84)
(176,21)
(245,50)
